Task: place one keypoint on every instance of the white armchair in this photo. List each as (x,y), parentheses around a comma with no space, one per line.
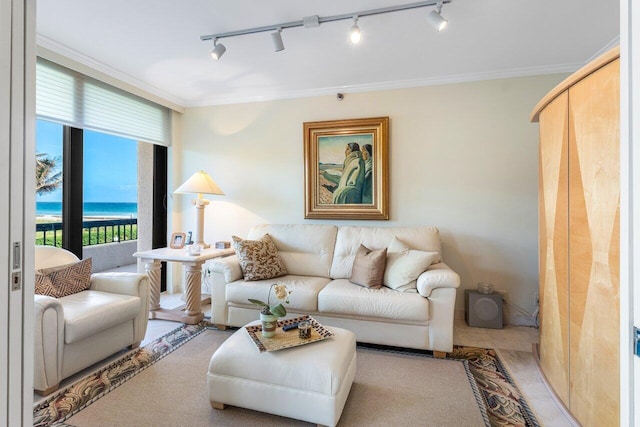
(78,330)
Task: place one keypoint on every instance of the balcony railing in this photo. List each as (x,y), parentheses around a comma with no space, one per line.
(93,232)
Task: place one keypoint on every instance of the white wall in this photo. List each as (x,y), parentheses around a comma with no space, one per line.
(463,157)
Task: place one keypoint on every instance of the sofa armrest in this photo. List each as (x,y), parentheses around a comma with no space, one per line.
(442,302)
(438,275)
(48,337)
(120,283)
(221,271)
(133,284)
(228,267)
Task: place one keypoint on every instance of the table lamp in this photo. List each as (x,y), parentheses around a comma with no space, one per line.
(200,183)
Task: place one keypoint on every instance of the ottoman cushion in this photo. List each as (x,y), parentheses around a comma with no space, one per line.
(309,382)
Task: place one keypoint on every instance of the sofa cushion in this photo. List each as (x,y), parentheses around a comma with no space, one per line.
(368,267)
(305,249)
(89,312)
(258,259)
(404,265)
(350,238)
(342,297)
(303,297)
(60,281)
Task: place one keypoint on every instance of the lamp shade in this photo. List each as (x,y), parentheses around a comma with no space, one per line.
(199,183)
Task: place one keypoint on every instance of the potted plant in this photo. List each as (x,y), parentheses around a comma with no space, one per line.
(269,313)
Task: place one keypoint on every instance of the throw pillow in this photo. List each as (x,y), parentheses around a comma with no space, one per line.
(259,259)
(368,267)
(397,245)
(64,280)
(404,265)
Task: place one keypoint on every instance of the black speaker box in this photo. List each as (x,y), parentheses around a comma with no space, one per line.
(483,310)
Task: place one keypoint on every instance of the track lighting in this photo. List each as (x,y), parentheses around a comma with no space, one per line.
(436,19)
(276,38)
(355,31)
(218,49)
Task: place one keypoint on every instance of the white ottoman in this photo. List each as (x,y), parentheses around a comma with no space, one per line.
(309,383)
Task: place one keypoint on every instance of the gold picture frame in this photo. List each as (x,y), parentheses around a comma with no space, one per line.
(177,240)
(346,166)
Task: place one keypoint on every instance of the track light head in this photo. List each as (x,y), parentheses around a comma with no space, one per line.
(355,35)
(218,50)
(435,18)
(276,38)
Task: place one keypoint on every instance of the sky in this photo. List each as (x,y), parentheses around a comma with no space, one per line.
(110,164)
(331,148)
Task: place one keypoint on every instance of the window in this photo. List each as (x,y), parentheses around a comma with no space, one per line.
(99,127)
(99,204)
(49,162)
(110,188)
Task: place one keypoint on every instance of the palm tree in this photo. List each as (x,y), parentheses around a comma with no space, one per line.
(47,179)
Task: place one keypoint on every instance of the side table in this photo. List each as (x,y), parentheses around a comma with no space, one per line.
(192,264)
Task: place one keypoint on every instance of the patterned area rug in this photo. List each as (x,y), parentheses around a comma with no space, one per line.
(506,406)
(495,389)
(77,396)
(492,384)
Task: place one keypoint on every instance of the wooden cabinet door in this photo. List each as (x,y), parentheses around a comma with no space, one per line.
(594,212)
(553,216)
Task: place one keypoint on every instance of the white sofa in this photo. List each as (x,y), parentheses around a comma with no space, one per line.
(319,259)
(78,330)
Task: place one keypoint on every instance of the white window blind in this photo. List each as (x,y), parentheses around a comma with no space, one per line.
(68,97)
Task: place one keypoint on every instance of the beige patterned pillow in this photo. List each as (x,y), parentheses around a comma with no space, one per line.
(259,259)
(64,280)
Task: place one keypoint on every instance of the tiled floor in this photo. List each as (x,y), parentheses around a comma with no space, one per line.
(513,344)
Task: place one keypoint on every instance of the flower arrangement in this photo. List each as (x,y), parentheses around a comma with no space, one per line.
(282,294)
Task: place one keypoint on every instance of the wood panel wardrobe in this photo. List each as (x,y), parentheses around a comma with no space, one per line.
(579,220)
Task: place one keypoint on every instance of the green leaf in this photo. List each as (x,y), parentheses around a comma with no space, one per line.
(257,302)
(279,310)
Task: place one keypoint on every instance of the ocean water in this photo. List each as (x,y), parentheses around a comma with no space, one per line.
(91,209)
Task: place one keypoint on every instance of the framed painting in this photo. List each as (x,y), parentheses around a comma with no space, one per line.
(346,169)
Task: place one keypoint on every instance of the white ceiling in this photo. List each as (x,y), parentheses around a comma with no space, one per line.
(155,44)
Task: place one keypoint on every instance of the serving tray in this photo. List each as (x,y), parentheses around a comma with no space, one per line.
(288,339)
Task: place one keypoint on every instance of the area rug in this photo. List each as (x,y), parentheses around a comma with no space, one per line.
(499,402)
(75,397)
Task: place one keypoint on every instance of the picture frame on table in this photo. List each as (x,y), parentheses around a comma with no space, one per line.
(346,166)
(178,240)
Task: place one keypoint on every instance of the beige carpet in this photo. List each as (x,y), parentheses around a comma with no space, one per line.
(389,389)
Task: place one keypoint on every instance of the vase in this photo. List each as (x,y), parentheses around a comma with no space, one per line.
(269,324)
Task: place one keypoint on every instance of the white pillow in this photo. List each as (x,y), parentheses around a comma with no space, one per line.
(404,265)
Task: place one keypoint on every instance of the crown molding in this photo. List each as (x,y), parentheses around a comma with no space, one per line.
(607,47)
(124,81)
(391,85)
(65,56)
